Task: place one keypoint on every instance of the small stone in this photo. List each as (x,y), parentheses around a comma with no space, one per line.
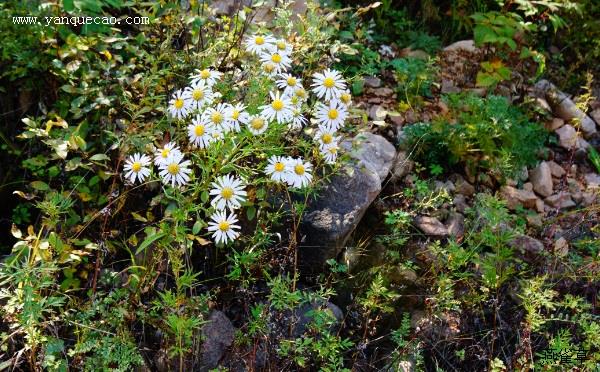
(448,87)
(402,166)
(524,174)
(383,92)
(543,104)
(556,170)
(515,197)
(528,186)
(465,188)
(467,45)
(592,180)
(460,203)
(554,124)
(561,247)
(588,198)
(372,82)
(527,244)
(541,178)
(396,119)
(596,115)
(456,225)
(377,112)
(431,226)
(568,138)
(539,205)
(561,200)
(534,220)
(218,335)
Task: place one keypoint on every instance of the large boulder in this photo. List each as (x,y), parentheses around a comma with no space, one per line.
(330,219)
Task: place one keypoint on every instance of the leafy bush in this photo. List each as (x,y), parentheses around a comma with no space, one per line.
(485,134)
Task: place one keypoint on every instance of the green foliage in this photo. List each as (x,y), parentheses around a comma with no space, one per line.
(488,134)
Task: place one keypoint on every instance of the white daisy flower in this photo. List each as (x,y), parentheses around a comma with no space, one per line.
(332,114)
(229,192)
(198,94)
(299,175)
(208,76)
(136,167)
(330,152)
(346,98)
(289,84)
(217,116)
(223,227)
(328,85)
(257,124)
(298,120)
(175,170)
(281,46)
(269,69)
(161,155)
(280,108)
(179,106)
(281,61)
(278,168)
(258,44)
(236,115)
(326,136)
(200,132)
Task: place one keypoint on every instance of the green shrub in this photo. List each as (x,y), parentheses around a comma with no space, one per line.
(485,134)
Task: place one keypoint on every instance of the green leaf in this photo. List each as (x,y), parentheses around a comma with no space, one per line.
(196,228)
(99,157)
(204,196)
(149,240)
(39,185)
(251,213)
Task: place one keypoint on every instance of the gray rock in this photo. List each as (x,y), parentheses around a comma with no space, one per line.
(372,81)
(541,178)
(596,115)
(561,246)
(402,166)
(460,203)
(431,226)
(377,112)
(554,124)
(330,219)
(527,244)
(467,45)
(565,108)
(456,225)
(556,170)
(449,87)
(592,180)
(217,336)
(304,315)
(561,200)
(569,139)
(465,188)
(515,197)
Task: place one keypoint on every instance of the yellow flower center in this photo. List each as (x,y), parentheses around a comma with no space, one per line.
(216,117)
(136,167)
(332,114)
(281,45)
(300,92)
(279,167)
(294,100)
(178,103)
(329,82)
(223,226)
(333,150)
(197,94)
(257,123)
(291,81)
(216,135)
(227,192)
(173,168)
(327,138)
(346,98)
(235,114)
(199,130)
(276,58)
(259,40)
(299,169)
(205,74)
(277,105)
(165,152)
(269,67)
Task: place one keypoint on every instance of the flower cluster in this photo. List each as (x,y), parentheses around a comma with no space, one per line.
(209,120)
